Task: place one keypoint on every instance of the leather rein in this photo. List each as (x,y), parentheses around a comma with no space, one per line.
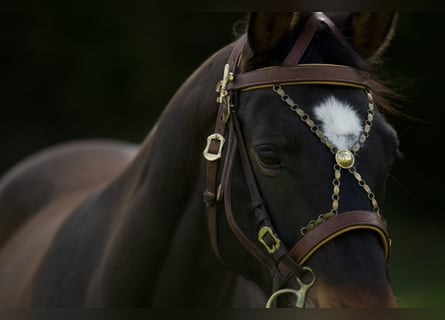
(284,264)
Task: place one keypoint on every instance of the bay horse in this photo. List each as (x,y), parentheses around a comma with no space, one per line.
(268,191)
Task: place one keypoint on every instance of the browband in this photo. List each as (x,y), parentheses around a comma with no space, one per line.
(300,74)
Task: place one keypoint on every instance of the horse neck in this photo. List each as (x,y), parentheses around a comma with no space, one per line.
(160,246)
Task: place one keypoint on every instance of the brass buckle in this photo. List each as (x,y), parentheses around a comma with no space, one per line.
(221,86)
(213,156)
(268,231)
(224,97)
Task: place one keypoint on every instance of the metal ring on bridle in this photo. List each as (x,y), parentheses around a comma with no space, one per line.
(299,293)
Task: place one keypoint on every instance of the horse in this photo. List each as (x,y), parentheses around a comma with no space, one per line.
(268,192)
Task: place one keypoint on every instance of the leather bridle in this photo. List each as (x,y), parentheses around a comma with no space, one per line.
(284,264)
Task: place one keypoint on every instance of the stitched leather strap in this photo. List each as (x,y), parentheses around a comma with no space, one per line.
(251,247)
(280,265)
(306,35)
(336,226)
(210,194)
(302,41)
(309,73)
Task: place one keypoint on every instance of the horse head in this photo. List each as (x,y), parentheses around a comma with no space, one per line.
(293,174)
(306,156)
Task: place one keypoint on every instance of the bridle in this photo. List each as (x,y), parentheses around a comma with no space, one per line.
(285,264)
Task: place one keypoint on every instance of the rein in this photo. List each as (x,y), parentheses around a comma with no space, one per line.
(284,264)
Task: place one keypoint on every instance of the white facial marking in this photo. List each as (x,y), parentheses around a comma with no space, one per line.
(339,122)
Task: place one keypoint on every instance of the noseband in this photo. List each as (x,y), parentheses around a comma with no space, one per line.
(286,264)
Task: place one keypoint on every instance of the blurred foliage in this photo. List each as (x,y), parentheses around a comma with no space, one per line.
(72,72)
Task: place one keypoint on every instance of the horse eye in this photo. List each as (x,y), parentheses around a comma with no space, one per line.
(268,157)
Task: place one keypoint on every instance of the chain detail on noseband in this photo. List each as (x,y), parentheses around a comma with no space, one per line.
(345,159)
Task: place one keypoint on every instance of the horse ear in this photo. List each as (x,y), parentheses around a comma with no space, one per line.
(372,32)
(267,32)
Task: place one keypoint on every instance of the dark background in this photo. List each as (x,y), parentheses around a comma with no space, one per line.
(73,72)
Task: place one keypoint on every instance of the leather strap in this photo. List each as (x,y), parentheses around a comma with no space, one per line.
(306,35)
(251,247)
(336,226)
(261,215)
(211,192)
(278,262)
(302,42)
(305,73)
